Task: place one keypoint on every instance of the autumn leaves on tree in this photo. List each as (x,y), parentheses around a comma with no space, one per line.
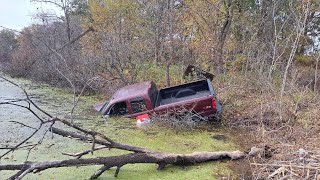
(116,40)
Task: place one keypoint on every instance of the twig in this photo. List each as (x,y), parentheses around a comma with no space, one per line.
(80,154)
(16,122)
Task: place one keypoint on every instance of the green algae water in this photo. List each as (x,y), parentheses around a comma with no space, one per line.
(59,102)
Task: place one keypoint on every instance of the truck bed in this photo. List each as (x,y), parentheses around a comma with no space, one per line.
(174,99)
(183,92)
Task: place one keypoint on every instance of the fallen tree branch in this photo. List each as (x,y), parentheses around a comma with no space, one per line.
(119,161)
(24,125)
(115,145)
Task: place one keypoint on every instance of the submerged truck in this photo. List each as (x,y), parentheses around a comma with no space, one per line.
(144,98)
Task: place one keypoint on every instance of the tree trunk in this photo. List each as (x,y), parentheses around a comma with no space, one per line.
(223,35)
(316,74)
(162,159)
(168,74)
(266,31)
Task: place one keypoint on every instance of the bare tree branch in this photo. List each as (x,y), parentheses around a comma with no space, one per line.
(80,154)
(121,160)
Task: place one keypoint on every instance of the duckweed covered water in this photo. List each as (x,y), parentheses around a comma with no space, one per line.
(59,102)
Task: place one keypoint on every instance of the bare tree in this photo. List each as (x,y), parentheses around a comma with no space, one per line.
(316,74)
(301,23)
(229,7)
(7,44)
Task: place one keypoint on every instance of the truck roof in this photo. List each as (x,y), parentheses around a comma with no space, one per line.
(132,91)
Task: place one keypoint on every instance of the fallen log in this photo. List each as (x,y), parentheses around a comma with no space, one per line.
(162,159)
(137,155)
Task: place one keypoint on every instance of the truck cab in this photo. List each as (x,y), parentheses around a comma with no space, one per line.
(132,100)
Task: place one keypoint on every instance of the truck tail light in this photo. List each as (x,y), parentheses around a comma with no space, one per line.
(213,105)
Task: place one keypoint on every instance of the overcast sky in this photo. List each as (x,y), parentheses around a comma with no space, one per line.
(16,14)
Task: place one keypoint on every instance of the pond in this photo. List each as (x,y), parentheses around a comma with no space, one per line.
(59,102)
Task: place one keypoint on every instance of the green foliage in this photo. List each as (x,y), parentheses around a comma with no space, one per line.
(157,74)
(7,44)
(305,60)
(248,5)
(80,7)
(238,63)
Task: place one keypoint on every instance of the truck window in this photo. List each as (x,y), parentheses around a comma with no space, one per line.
(138,105)
(119,109)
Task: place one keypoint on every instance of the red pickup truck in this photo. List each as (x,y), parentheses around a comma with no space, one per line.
(144,98)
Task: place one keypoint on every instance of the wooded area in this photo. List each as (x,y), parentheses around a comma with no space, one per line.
(118,40)
(264,55)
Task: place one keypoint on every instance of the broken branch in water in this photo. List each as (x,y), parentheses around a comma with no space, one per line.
(121,160)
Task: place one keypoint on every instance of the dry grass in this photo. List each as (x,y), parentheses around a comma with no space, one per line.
(179,120)
(290,126)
